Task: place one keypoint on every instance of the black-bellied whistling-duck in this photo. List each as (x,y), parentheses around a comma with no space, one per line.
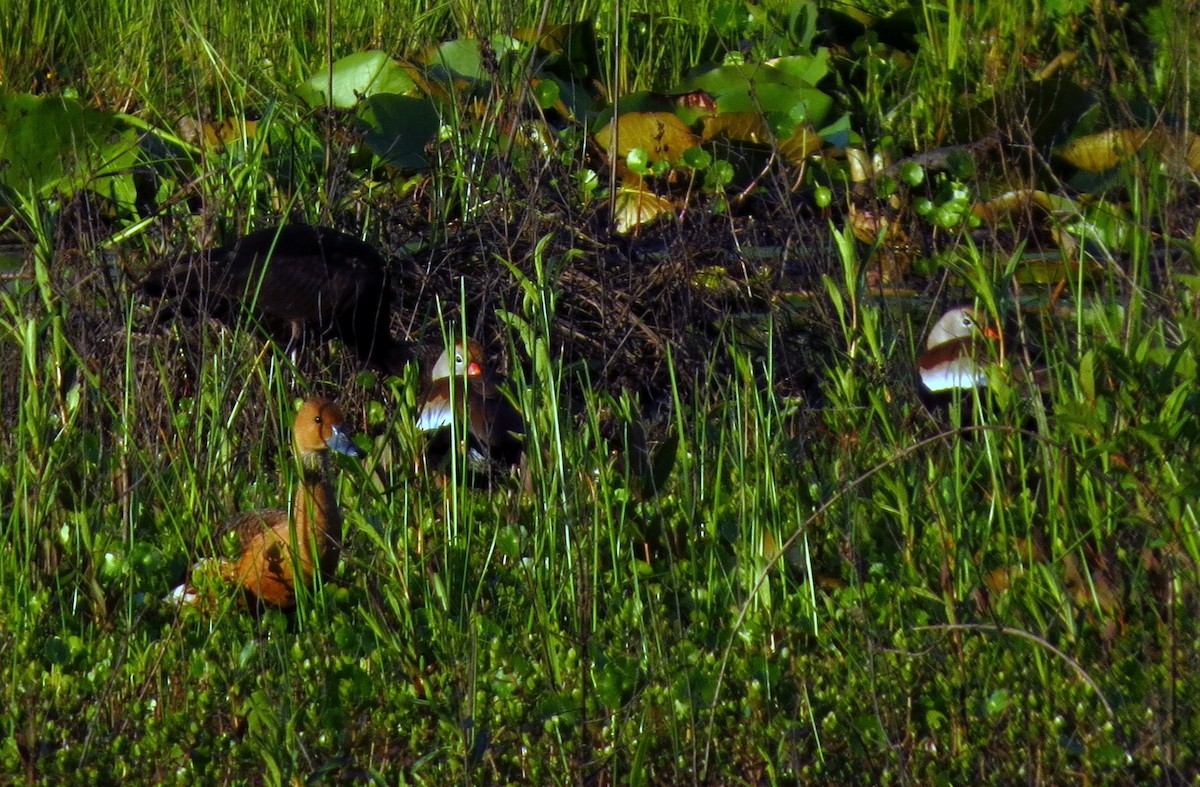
(277,548)
(494,425)
(961,349)
(297,277)
(958,351)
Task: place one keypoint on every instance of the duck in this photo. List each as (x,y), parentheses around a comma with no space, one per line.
(295,277)
(961,353)
(495,427)
(958,351)
(277,549)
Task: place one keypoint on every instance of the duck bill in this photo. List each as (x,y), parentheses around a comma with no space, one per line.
(340,441)
(992,333)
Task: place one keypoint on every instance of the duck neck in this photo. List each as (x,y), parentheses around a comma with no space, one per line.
(318,520)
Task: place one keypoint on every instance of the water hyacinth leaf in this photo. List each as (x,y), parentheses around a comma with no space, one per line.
(401,127)
(356,77)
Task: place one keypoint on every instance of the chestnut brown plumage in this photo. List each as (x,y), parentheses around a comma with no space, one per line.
(962,351)
(494,425)
(294,278)
(277,549)
(959,348)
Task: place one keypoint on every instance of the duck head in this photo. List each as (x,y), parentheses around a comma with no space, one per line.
(459,361)
(320,427)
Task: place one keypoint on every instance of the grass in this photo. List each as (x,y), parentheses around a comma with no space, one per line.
(830,583)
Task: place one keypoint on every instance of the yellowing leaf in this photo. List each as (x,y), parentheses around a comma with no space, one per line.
(663,136)
(801,144)
(1108,149)
(635,206)
(752,128)
(215,136)
(737,126)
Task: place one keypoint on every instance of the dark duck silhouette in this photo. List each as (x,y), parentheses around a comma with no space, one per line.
(278,549)
(295,278)
(494,426)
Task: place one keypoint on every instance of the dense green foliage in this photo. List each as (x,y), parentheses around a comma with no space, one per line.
(828,582)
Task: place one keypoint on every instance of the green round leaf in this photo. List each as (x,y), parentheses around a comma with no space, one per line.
(697,158)
(546,93)
(912,174)
(637,160)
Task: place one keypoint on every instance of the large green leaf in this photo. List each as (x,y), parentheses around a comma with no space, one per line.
(401,127)
(57,145)
(356,77)
(463,58)
(767,90)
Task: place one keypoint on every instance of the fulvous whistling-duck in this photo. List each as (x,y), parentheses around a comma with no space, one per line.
(297,277)
(494,425)
(279,548)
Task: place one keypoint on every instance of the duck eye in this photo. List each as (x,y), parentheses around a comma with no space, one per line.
(458,358)
(317,420)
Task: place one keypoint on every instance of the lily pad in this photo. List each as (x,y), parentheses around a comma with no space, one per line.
(767,90)
(1108,149)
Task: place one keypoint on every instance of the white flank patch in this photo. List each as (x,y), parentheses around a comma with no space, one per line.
(434,416)
(959,374)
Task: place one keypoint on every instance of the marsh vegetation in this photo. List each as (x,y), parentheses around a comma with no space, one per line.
(704,242)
